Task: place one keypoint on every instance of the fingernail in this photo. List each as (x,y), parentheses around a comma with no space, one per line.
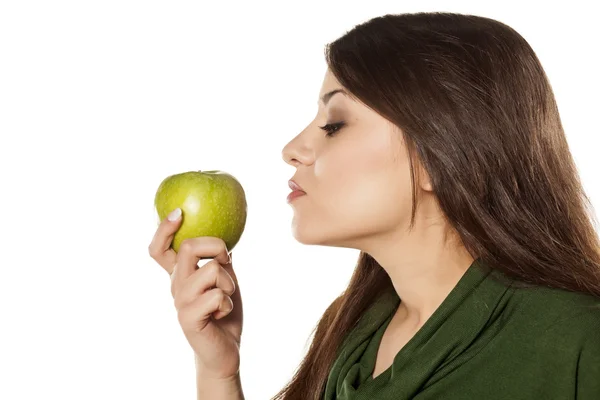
(174,215)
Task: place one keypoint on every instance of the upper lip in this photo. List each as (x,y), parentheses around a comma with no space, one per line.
(294,186)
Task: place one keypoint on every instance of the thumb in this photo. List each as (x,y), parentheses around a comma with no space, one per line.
(160,247)
(169,226)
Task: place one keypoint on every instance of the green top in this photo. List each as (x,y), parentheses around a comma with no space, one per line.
(487,340)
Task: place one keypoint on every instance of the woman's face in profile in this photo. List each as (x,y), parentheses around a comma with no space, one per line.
(356,175)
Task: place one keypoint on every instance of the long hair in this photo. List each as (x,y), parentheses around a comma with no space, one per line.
(478,113)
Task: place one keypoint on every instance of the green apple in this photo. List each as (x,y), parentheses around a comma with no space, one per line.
(213,203)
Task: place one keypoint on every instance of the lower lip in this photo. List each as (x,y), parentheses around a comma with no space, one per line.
(295,194)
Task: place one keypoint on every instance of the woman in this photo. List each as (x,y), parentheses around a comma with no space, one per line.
(438,152)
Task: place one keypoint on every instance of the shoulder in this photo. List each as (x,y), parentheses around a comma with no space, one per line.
(563,330)
(571,315)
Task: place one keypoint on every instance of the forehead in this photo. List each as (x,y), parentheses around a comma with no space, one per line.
(330,83)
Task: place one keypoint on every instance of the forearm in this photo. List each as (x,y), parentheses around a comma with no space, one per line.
(218,389)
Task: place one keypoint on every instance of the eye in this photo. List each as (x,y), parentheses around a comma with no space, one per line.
(333,128)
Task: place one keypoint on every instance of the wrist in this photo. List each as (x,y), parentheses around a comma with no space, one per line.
(209,387)
(224,388)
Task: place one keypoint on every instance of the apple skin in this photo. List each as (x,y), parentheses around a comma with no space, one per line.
(213,203)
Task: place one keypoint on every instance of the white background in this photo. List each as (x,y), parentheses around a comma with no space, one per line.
(101,100)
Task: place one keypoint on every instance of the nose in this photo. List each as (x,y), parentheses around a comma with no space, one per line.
(297,152)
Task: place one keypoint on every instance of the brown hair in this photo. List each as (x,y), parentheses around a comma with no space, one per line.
(477,111)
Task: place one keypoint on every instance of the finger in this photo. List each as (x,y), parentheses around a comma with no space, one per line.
(160,247)
(231,272)
(210,275)
(197,314)
(225,308)
(193,250)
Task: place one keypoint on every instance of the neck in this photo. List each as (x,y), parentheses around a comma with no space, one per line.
(424,265)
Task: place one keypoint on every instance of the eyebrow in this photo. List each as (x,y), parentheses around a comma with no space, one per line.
(327,96)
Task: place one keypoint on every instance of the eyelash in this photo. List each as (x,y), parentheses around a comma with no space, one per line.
(332,129)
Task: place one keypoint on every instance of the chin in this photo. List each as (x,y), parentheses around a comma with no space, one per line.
(304,237)
(320,238)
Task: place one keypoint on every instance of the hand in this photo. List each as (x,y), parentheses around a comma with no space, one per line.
(207,299)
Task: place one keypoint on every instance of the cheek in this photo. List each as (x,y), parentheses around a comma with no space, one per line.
(363,187)
(372,200)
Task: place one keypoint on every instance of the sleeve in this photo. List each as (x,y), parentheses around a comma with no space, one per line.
(588,369)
